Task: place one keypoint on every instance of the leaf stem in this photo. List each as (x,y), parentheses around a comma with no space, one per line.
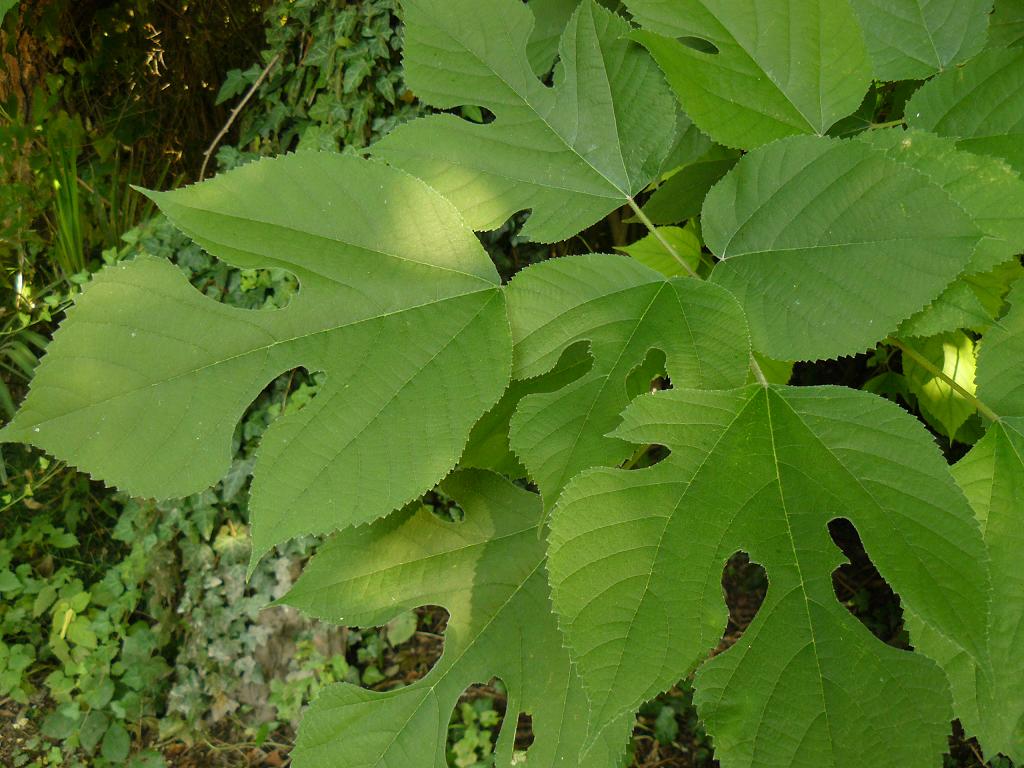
(933,369)
(890,124)
(660,237)
(758,373)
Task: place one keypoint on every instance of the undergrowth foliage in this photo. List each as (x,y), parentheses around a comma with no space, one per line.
(825,215)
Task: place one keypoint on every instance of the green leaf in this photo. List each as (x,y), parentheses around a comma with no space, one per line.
(571,153)
(399,305)
(989,699)
(488,572)
(780,67)
(988,190)
(681,196)
(914,39)
(93,727)
(116,744)
(650,251)
(829,245)
(1000,385)
(981,104)
(1006,27)
(636,558)
(550,19)
(941,405)
(971,301)
(625,311)
(5,7)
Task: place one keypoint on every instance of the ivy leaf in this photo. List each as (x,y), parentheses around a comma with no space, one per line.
(625,311)
(636,558)
(999,356)
(571,153)
(981,104)
(829,245)
(752,71)
(487,571)
(1006,27)
(941,405)
(989,699)
(147,378)
(914,39)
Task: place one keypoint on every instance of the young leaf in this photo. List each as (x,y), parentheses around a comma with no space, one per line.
(828,244)
(981,104)
(571,153)
(990,699)
(651,252)
(636,557)
(752,71)
(914,39)
(399,305)
(941,405)
(625,311)
(487,571)
(1000,385)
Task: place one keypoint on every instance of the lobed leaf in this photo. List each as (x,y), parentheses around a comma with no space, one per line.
(980,104)
(829,245)
(636,558)
(625,312)
(147,378)
(914,39)
(571,153)
(753,71)
(487,571)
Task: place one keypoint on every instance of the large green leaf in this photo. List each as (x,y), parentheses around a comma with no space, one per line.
(571,153)
(625,311)
(828,244)
(1007,25)
(990,699)
(147,378)
(914,39)
(981,104)
(636,558)
(1000,384)
(487,571)
(774,68)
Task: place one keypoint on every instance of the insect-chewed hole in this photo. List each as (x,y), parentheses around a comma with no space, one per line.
(476,722)
(699,44)
(444,507)
(475,114)
(524,732)
(860,587)
(649,376)
(257,289)
(745,585)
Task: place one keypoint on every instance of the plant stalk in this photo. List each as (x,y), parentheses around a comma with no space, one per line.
(933,369)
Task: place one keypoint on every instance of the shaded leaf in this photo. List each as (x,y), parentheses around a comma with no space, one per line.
(682,194)
(981,104)
(488,573)
(650,251)
(1006,28)
(914,39)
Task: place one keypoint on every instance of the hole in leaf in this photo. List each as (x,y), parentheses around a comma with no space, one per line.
(745,585)
(524,732)
(475,724)
(475,114)
(444,507)
(649,376)
(257,289)
(860,587)
(699,44)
